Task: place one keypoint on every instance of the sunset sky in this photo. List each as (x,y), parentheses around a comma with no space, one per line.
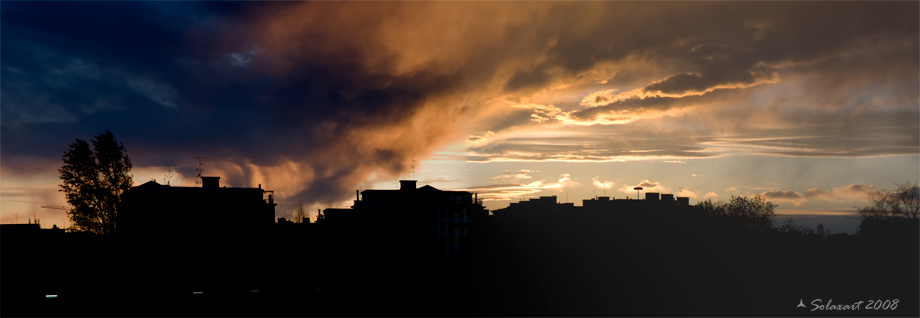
(810,104)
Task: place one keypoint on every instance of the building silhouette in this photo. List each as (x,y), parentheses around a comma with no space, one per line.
(152,208)
(417,221)
(197,239)
(546,205)
(421,251)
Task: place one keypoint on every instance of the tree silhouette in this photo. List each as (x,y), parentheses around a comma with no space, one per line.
(901,203)
(754,213)
(93,180)
(300,213)
(789,227)
(891,214)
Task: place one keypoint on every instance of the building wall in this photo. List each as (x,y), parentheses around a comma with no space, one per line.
(187,210)
(416,221)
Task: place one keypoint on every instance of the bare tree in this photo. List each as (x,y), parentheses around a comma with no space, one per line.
(901,203)
(300,213)
(789,227)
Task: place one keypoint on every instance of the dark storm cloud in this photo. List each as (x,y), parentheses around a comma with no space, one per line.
(316,97)
(175,81)
(298,96)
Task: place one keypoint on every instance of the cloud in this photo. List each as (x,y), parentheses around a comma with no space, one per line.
(727,91)
(818,194)
(480,137)
(710,195)
(602,184)
(438,180)
(308,114)
(849,193)
(517,175)
(647,186)
(686,193)
(313,99)
(565,181)
(854,192)
(505,192)
(683,85)
(794,197)
(585,144)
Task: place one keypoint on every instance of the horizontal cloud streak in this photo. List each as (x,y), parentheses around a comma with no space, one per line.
(505,192)
(849,193)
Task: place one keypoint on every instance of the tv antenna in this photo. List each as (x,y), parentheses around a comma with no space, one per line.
(200,169)
(168,173)
(412,174)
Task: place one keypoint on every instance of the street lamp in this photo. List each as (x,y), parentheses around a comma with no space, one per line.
(637,192)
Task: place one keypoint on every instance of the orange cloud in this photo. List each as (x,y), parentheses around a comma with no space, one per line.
(794,197)
(505,192)
(602,184)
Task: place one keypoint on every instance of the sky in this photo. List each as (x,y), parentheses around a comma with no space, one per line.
(809,104)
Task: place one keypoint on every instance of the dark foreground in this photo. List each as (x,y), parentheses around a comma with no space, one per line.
(541,265)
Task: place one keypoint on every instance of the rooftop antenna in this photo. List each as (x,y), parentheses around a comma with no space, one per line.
(200,170)
(412,175)
(169,173)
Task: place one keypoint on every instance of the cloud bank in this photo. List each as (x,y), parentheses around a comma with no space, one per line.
(313,99)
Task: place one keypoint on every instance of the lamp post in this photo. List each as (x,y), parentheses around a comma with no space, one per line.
(637,192)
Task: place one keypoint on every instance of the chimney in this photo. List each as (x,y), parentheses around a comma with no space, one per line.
(210,182)
(407,184)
